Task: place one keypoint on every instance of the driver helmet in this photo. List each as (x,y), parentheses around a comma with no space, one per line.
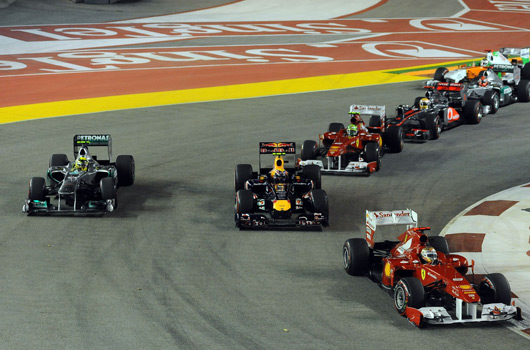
(484,62)
(425,103)
(278,173)
(355,117)
(352,130)
(81,163)
(429,255)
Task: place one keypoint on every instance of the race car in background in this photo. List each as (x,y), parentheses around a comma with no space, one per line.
(497,81)
(428,284)
(434,113)
(85,186)
(356,149)
(280,193)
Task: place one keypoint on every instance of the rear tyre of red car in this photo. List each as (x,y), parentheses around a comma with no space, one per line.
(495,288)
(37,188)
(356,256)
(335,127)
(394,139)
(473,111)
(309,150)
(312,172)
(408,292)
(126,168)
(523,91)
(242,173)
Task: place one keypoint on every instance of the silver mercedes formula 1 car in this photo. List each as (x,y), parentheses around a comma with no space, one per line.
(85,186)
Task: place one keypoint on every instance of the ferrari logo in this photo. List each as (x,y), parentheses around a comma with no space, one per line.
(422,274)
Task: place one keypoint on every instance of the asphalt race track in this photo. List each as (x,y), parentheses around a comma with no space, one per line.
(169,270)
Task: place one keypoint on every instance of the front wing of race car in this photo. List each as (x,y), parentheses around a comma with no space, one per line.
(464,313)
(333,165)
(264,220)
(91,208)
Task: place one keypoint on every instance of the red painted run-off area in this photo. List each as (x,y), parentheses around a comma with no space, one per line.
(42,76)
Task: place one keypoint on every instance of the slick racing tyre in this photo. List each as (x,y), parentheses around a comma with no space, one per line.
(126,169)
(439,74)
(495,288)
(320,202)
(309,150)
(491,98)
(312,172)
(408,292)
(37,187)
(356,256)
(242,174)
(244,202)
(525,72)
(108,191)
(433,124)
(523,90)
(372,154)
(58,160)
(393,139)
(473,111)
(335,127)
(439,243)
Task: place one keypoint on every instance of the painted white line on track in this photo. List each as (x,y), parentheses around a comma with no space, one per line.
(259,10)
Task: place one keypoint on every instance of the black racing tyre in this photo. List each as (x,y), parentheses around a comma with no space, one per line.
(473,111)
(439,243)
(356,256)
(492,99)
(393,139)
(244,202)
(525,72)
(371,153)
(320,202)
(439,73)
(242,173)
(523,91)
(37,189)
(433,124)
(309,150)
(495,288)
(408,292)
(58,160)
(108,191)
(375,121)
(335,127)
(313,173)
(126,170)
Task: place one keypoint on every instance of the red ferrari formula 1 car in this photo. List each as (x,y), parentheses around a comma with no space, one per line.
(356,149)
(427,282)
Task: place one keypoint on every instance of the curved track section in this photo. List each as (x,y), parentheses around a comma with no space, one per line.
(169,270)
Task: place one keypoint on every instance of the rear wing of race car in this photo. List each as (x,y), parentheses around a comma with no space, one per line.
(512,52)
(285,149)
(384,218)
(369,110)
(93,140)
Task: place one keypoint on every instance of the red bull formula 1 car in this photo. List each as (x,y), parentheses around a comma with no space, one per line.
(85,186)
(280,193)
(428,283)
(356,149)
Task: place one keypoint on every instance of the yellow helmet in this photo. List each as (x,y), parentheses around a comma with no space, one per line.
(425,103)
(81,164)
